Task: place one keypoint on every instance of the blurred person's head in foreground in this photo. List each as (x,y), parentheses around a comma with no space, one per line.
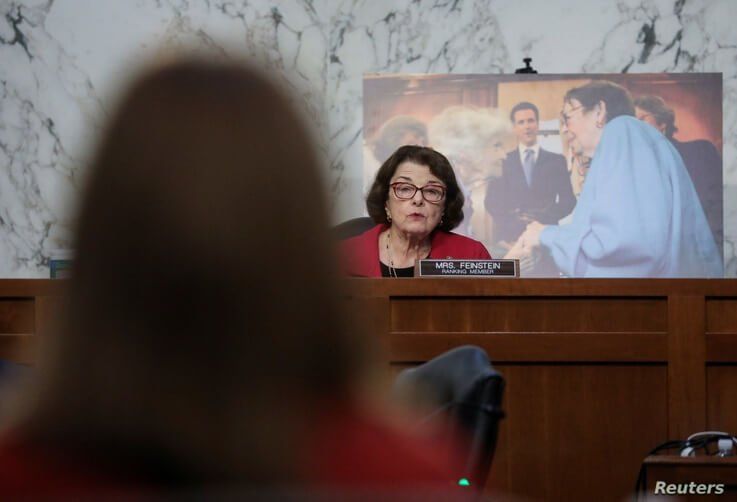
(203,326)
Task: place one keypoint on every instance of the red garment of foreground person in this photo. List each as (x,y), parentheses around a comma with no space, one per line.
(350,449)
(347,453)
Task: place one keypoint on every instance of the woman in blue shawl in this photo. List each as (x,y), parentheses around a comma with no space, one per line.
(638,214)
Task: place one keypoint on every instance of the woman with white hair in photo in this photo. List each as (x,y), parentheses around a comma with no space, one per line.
(473,139)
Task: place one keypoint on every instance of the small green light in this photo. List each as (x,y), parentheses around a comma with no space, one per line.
(464,482)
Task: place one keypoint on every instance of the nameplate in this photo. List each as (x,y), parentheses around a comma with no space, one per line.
(467,268)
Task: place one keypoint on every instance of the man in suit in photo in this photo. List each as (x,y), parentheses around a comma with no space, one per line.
(534,186)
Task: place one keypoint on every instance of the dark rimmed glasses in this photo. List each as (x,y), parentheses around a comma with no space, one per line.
(406,191)
(565,117)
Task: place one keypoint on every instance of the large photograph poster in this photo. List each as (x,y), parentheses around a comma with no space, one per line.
(512,142)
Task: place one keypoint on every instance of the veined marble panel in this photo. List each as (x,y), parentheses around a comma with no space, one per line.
(62,63)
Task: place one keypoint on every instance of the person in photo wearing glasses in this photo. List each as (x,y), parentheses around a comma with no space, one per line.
(638,214)
(415,201)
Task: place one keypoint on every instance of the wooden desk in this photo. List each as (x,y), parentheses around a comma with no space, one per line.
(705,470)
(598,371)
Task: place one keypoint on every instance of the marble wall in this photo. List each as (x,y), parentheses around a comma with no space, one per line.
(62,62)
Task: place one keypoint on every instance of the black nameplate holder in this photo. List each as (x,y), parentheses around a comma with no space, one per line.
(467,268)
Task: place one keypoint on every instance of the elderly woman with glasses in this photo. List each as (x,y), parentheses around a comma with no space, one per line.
(638,214)
(415,201)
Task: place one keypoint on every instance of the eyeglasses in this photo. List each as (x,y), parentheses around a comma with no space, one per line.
(565,117)
(406,191)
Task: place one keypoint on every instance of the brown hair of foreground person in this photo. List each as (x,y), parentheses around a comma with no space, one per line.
(203,327)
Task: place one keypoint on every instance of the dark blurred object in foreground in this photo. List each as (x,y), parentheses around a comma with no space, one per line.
(461,395)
